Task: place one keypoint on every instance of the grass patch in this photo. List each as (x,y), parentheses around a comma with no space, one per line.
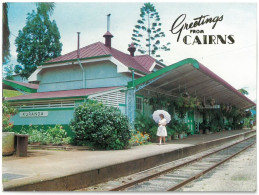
(5,180)
(11,93)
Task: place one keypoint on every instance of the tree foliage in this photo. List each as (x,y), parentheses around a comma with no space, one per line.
(8,72)
(38,41)
(17,69)
(243,91)
(147,34)
(46,8)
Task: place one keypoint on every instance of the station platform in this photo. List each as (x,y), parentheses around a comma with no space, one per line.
(55,170)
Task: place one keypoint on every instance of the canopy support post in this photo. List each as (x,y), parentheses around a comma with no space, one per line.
(130,106)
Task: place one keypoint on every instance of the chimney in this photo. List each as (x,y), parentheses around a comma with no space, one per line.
(78,44)
(108,36)
(132,49)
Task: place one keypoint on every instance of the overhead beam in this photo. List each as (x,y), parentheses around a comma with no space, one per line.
(175,79)
(207,87)
(194,87)
(159,91)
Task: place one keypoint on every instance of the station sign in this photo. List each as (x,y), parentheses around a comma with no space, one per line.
(209,107)
(34,114)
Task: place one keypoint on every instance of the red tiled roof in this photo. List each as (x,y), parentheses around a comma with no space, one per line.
(141,63)
(61,94)
(145,60)
(92,50)
(29,85)
(128,60)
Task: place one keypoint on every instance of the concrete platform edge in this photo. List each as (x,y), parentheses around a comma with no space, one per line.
(92,177)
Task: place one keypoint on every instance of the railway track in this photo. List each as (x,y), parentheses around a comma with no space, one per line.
(177,176)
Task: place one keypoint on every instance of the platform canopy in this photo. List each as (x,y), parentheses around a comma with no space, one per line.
(191,76)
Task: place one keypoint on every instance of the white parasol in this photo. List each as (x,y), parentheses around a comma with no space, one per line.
(156,116)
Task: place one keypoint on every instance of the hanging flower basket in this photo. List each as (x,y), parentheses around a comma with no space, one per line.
(186,95)
(212,102)
(227,108)
(197,102)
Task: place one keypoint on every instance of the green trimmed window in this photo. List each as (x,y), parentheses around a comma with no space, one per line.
(139,104)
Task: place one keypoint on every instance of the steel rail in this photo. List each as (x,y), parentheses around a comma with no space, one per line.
(127,185)
(207,170)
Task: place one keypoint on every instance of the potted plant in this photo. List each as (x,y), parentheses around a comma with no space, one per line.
(186,130)
(172,129)
(181,129)
(206,127)
(201,127)
(197,102)
(184,134)
(176,131)
(181,135)
(7,128)
(170,133)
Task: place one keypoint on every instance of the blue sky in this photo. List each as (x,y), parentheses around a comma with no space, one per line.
(235,63)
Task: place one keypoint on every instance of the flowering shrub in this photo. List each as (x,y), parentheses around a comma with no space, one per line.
(139,139)
(8,111)
(53,135)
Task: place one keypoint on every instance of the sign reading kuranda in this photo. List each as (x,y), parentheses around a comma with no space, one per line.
(34,114)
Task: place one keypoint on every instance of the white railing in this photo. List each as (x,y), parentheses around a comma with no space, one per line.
(35,105)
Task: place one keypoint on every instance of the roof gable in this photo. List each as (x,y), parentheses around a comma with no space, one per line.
(92,50)
(141,63)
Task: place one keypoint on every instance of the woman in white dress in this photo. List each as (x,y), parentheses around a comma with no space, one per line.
(161,131)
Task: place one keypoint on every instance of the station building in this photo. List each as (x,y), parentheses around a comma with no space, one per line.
(100,72)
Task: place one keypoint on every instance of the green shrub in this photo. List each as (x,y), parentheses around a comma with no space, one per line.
(143,123)
(35,136)
(53,135)
(175,125)
(184,128)
(170,131)
(57,135)
(100,126)
(152,132)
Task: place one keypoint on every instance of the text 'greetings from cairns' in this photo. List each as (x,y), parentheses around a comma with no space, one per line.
(197,35)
